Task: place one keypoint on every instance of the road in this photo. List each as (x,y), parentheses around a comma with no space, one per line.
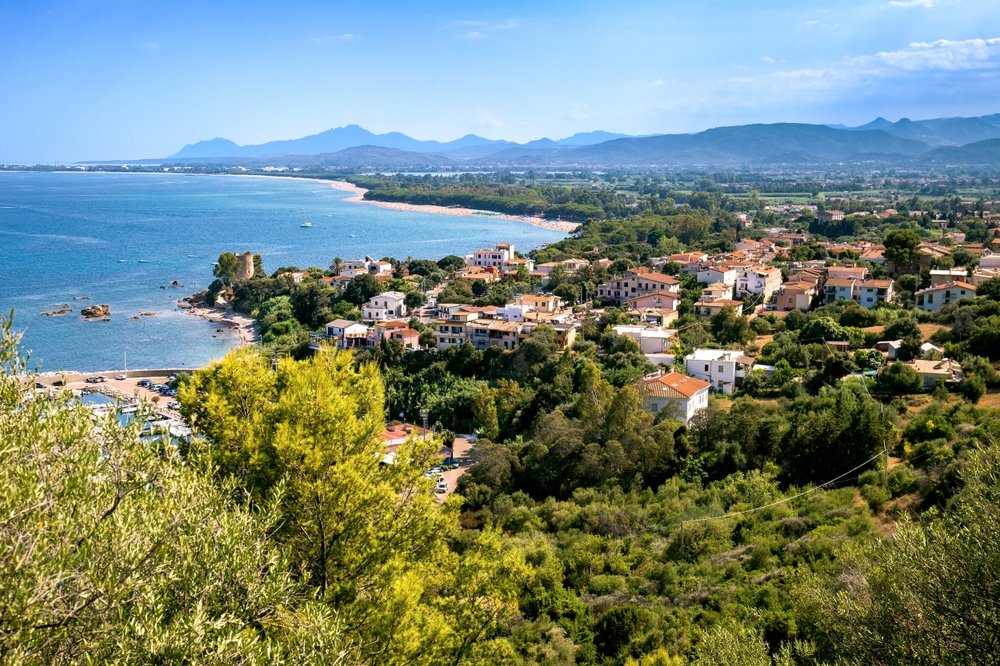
(463,456)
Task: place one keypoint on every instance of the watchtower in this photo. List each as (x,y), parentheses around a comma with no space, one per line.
(246,266)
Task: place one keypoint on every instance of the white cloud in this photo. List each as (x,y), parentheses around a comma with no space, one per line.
(648,85)
(149,46)
(940,55)
(943,54)
(908,4)
(938,68)
(768,59)
(484,118)
(481,29)
(344,37)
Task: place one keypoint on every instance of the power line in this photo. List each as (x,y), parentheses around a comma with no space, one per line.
(782,501)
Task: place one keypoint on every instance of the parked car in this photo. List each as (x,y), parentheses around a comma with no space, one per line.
(91,380)
(102,378)
(441,487)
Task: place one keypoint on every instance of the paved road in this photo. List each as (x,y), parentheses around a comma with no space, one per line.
(463,456)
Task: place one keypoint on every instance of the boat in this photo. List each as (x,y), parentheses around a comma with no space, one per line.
(143,261)
(306,225)
(122,261)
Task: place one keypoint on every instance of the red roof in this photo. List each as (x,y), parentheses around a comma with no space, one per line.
(673,385)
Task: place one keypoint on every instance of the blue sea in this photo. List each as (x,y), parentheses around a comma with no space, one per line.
(122,239)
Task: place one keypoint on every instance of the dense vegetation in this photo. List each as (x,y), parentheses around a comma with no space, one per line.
(589,532)
(819,516)
(500,195)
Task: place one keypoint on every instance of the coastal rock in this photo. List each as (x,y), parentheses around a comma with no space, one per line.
(194,301)
(96,311)
(63,309)
(148,314)
(176,283)
(81,298)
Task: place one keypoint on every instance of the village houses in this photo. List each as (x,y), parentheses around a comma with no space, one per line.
(636,282)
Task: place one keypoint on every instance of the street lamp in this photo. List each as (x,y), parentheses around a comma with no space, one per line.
(423,415)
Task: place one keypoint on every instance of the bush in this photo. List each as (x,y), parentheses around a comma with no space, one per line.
(974,388)
(898,379)
(902,480)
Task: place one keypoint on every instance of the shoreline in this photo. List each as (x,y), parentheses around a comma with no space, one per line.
(358,193)
(243,326)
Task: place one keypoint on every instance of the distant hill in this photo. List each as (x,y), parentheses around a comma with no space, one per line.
(370,157)
(904,142)
(781,143)
(212,148)
(353,136)
(940,131)
(981,152)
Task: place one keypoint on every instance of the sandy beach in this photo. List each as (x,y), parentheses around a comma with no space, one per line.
(245,327)
(358,196)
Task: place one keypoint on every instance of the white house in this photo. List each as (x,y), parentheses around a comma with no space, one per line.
(989,259)
(759,280)
(637,282)
(933,299)
(387,305)
(724,369)
(343,333)
(713,274)
(841,289)
(873,292)
(495,258)
(683,396)
(651,339)
(355,267)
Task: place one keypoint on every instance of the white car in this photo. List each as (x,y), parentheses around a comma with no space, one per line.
(441,487)
(120,377)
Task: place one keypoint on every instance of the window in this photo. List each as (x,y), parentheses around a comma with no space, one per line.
(706,367)
(720,369)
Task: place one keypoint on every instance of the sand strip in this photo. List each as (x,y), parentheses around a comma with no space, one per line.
(358,194)
(244,326)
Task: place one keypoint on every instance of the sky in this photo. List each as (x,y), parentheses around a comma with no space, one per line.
(129,79)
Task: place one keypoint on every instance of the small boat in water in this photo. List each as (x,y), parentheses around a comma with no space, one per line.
(306,225)
(122,261)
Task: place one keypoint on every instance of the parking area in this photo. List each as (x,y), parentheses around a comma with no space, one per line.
(463,458)
(126,389)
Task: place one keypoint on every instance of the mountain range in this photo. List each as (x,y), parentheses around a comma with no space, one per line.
(960,141)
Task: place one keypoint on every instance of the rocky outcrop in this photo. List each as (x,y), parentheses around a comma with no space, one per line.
(58,312)
(96,311)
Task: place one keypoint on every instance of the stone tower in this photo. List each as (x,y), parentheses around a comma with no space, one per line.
(246,266)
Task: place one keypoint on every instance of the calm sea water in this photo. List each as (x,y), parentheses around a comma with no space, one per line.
(121,239)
